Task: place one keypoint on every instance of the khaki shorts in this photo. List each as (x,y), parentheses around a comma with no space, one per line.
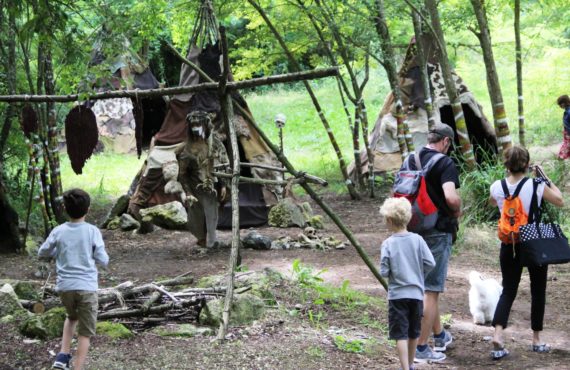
(82,306)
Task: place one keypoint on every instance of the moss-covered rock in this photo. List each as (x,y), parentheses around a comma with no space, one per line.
(113,330)
(118,209)
(128,222)
(26,290)
(53,321)
(286,214)
(31,247)
(9,301)
(245,309)
(182,330)
(317,222)
(33,327)
(114,223)
(170,216)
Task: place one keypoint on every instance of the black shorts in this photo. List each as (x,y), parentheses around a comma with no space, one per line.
(405,318)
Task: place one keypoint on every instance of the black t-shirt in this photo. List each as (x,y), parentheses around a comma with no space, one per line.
(443,171)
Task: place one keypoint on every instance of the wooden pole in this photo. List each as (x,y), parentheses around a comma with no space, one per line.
(227,114)
(255,180)
(255,82)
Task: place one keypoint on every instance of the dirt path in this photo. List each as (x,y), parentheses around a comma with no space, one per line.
(166,253)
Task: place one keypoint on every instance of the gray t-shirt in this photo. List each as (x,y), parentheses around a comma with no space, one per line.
(76,246)
(405,260)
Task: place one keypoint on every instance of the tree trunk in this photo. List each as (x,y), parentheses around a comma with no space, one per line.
(519,71)
(10,68)
(499,114)
(460,125)
(390,67)
(293,62)
(423,68)
(9,233)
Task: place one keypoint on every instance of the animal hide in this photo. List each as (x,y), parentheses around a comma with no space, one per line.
(81,136)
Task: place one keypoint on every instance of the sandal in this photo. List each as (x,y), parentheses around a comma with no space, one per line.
(499,353)
(541,348)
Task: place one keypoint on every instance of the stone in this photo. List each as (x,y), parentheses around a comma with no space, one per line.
(119,208)
(307,210)
(286,214)
(53,321)
(114,224)
(26,290)
(33,327)
(246,308)
(128,222)
(32,247)
(317,222)
(182,330)
(113,330)
(255,240)
(9,301)
(146,226)
(170,216)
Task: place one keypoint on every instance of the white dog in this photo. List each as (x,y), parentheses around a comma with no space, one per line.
(483,297)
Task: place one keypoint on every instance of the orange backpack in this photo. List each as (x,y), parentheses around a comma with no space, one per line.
(512,215)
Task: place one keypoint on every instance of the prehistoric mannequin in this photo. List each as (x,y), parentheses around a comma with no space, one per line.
(202,151)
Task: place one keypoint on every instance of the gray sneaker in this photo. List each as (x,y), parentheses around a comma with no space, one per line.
(428,356)
(440,344)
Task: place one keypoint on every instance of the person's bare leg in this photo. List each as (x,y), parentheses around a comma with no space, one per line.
(81,354)
(68,330)
(437,328)
(536,338)
(412,343)
(403,354)
(498,337)
(431,310)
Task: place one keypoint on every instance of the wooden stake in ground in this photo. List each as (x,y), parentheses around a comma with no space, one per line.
(228,115)
(519,70)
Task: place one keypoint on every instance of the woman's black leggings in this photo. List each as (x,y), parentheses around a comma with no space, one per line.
(511,271)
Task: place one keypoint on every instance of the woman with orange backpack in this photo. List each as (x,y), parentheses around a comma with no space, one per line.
(513,196)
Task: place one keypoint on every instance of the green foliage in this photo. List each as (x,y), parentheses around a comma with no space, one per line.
(305,276)
(348,345)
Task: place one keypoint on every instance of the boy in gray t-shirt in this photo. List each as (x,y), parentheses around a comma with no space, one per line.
(405,260)
(76,246)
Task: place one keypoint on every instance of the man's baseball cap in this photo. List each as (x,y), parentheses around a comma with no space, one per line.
(443,130)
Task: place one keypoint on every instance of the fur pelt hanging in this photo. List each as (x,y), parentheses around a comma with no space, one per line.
(29,120)
(138,114)
(81,136)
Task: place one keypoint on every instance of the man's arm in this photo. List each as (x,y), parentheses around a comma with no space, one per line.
(452,198)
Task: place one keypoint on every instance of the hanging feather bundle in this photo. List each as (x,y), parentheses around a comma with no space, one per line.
(81,136)
(29,121)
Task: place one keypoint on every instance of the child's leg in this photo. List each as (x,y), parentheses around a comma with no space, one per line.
(403,353)
(68,330)
(81,354)
(412,344)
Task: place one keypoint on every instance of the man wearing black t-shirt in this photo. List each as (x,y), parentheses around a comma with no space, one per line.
(442,182)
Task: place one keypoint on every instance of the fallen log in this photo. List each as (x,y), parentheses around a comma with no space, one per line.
(140,312)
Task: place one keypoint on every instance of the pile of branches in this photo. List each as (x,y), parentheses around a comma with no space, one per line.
(141,306)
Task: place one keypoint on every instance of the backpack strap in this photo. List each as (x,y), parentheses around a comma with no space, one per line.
(535,213)
(432,162)
(517,190)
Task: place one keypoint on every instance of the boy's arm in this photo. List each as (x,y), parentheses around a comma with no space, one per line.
(99,254)
(385,261)
(428,261)
(48,247)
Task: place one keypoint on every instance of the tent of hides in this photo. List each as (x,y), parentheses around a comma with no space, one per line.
(383,138)
(148,188)
(124,125)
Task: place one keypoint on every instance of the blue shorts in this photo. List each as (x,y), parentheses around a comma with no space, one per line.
(440,245)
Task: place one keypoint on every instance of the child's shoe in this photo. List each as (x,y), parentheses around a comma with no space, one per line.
(62,361)
(440,344)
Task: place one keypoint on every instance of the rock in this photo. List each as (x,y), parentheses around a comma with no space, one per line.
(114,224)
(113,330)
(171,215)
(255,240)
(286,214)
(53,322)
(31,247)
(26,290)
(119,208)
(128,222)
(9,301)
(246,308)
(146,226)
(182,330)
(33,327)
(307,211)
(316,222)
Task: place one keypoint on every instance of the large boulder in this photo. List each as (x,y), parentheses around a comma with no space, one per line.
(171,215)
(45,326)
(113,330)
(245,309)
(9,302)
(26,290)
(255,240)
(286,214)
